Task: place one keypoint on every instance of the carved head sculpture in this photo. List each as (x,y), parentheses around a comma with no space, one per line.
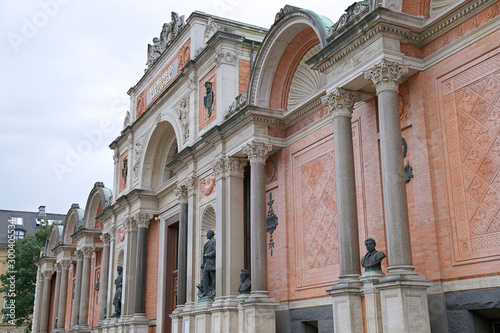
(119,269)
(244,275)
(210,234)
(370,244)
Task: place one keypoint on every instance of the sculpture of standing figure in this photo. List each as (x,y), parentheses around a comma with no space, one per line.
(372,259)
(117,300)
(207,285)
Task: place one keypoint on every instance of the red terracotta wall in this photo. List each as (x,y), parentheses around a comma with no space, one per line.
(244,75)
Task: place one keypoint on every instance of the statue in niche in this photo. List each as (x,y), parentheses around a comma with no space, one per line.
(245,285)
(208,100)
(206,289)
(125,171)
(117,300)
(372,259)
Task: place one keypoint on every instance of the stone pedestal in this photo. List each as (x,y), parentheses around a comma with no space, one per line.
(372,301)
(259,311)
(241,312)
(139,324)
(347,309)
(404,306)
(203,316)
(224,314)
(176,317)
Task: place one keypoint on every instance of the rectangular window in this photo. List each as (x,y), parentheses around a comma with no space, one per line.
(19,234)
(16,220)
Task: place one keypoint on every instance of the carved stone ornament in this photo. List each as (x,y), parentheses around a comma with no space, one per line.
(65,264)
(142,220)
(352,13)
(57,268)
(257,152)
(139,145)
(181,193)
(168,34)
(341,102)
(386,75)
(116,156)
(79,254)
(227,57)
(219,167)
(210,30)
(126,121)
(191,185)
(183,115)
(47,274)
(87,251)
(239,102)
(207,186)
(283,12)
(129,224)
(106,239)
(229,166)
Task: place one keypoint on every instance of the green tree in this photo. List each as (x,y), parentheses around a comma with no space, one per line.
(27,251)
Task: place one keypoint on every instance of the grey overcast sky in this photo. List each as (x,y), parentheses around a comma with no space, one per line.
(65,69)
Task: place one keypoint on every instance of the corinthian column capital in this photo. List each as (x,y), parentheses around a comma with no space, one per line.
(257,152)
(181,194)
(142,220)
(341,102)
(386,75)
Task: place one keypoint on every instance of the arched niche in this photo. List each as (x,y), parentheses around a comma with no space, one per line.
(97,200)
(287,30)
(161,149)
(51,241)
(73,219)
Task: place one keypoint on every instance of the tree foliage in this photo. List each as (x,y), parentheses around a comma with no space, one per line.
(19,282)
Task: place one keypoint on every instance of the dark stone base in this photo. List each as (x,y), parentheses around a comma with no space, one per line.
(307,320)
(465,312)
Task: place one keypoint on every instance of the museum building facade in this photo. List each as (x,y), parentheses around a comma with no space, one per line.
(294,145)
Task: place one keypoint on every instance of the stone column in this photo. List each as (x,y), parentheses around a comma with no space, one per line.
(84,293)
(44,318)
(78,287)
(38,300)
(386,76)
(63,294)
(129,266)
(55,304)
(181,193)
(111,268)
(259,309)
(346,295)
(231,243)
(140,322)
(104,276)
(257,154)
(403,293)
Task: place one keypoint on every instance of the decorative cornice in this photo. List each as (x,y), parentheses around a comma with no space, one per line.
(142,220)
(341,102)
(257,152)
(284,11)
(352,13)
(386,75)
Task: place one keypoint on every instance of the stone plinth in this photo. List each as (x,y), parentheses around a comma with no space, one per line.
(139,324)
(404,305)
(372,301)
(241,312)
(347,309)
(224,314)
(203,316)
(259,311)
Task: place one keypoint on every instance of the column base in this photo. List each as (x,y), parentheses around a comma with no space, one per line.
(373,310)
(224,314)
(259,312)
(139,323)
(346,304)
(202,316)
(403,299)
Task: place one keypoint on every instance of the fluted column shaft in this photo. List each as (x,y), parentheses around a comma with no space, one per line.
(63,294)
(55,305)
(386,76)
(181,193)
(257,154)
(44,320)
(143,220)
(128,292)
(84,295)
(78,287)
(104,276)
(341,103)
